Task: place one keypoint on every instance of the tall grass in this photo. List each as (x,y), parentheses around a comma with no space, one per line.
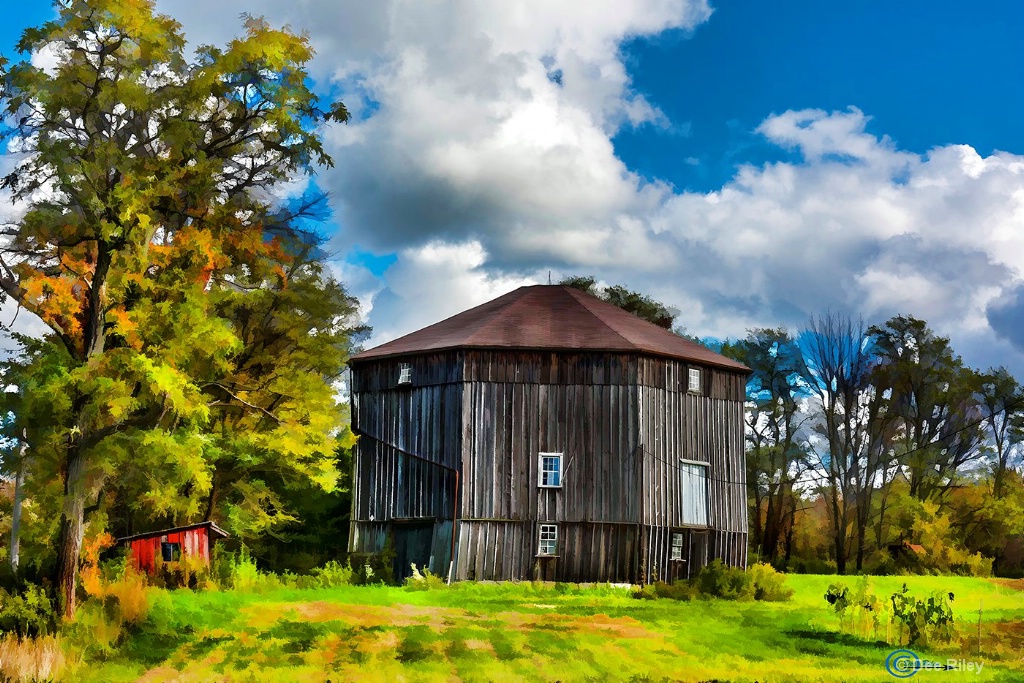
(30,659)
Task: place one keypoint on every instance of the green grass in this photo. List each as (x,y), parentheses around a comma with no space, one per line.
(512,632)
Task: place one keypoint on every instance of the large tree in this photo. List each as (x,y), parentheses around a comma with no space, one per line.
(777,455)
(146,175)
(934,398)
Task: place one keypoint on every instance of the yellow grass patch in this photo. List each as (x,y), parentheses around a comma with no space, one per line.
(30,659)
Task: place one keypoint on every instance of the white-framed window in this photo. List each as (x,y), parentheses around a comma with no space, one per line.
(548,540)
(693,489)
(694,381)
(405,374)
(550,470)
(676,550)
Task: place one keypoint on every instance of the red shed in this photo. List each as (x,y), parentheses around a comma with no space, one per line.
(173,545)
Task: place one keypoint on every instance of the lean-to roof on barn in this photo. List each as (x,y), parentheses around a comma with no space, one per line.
(549,317)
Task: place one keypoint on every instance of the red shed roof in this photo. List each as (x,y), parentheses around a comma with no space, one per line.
(549,317)
(214,529)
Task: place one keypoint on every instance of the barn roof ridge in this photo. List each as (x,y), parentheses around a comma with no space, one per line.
(550,318)
(173,530)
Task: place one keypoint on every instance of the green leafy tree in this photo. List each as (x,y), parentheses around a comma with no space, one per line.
(272,415)
(934,398)
(146,176)
(776,451)
(638,304)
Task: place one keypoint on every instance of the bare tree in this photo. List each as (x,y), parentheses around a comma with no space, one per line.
(852,457)
(1001,400)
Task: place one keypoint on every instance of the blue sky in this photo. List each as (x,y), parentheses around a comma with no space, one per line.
(749,163)
(928,73)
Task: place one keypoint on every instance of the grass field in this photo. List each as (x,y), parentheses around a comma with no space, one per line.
(513,632)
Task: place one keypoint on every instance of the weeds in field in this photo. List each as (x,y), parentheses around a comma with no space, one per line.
(925,619)
(424,581)
(30,659)
(922,619)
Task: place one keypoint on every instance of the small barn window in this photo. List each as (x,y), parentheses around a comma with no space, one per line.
(693,486)
(405,374)
(171,552)
(694,381)
(676,551)
(551,470)
(548,539)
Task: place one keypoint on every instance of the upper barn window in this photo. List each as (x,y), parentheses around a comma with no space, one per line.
(551,470)
(694,383)
(405,374)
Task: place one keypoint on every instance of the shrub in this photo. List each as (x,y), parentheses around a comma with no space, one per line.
(128,596)
(28,614)
(424,581)
(880,563)
(964,564)
(333,574)
(811,565)
(369,568)
(680,590)
(769,585)
(719,580)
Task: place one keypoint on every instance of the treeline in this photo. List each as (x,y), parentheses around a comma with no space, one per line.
(877,449)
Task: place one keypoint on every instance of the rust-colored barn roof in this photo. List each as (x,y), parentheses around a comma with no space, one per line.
(549,317)
(214,530)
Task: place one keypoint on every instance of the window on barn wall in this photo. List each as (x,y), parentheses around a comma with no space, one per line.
(693,489)
(171,552)
(676,551)
(551,470)
(694,381)
(548,539)
(405,374)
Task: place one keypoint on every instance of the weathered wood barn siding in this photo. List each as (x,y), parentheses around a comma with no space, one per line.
(519,404)
(622,422)
(408,453)
(704,427)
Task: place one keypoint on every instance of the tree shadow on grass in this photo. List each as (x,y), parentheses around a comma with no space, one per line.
(831,644)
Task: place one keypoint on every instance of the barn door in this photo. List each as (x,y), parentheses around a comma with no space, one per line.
(412,544)
(698,552)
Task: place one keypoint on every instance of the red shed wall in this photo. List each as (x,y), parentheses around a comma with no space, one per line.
(194,543)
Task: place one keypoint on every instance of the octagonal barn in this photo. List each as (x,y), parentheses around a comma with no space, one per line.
(549,435)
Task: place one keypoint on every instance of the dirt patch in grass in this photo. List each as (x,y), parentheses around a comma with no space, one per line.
(366,616)
(619,627)
(1015,584)
(1003,639)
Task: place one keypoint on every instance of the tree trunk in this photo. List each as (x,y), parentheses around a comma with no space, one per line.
(72,528)
(19,492)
